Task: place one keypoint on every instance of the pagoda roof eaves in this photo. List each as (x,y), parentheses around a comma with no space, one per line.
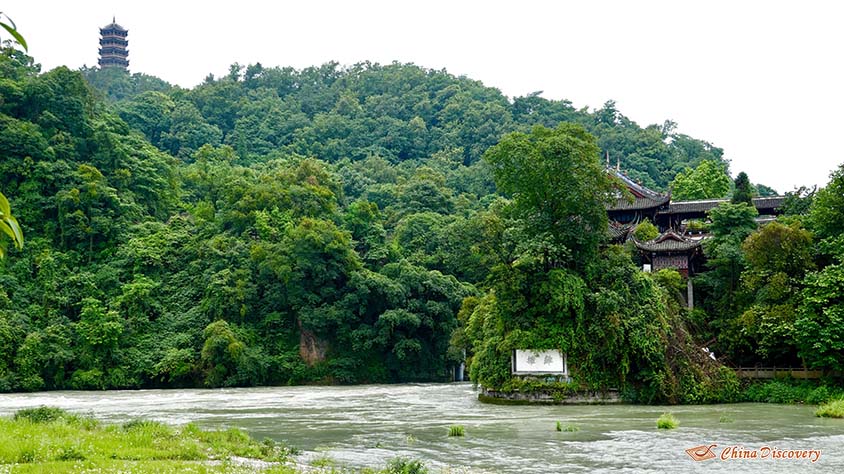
(667,242)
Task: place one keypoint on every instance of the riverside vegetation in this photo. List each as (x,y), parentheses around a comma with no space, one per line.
(373,223)
(52,440)
(833,409)
(667,421)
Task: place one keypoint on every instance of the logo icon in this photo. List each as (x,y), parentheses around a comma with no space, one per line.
(701,453)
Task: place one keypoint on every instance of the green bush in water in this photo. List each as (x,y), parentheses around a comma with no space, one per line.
(833,409)
(667,421)
(405,466)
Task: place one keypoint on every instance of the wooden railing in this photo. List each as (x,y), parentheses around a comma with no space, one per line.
(777,373)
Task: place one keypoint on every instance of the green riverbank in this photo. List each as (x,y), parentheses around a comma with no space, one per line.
(784,391)
(51,440)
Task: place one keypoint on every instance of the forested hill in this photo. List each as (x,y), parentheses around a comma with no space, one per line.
(272,226)
(399,112)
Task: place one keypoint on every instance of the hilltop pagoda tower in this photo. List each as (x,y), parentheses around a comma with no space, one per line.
(113,43)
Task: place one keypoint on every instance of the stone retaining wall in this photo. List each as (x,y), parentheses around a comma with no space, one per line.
(541,397)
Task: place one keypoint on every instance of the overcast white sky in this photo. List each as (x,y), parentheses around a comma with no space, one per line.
(761,79)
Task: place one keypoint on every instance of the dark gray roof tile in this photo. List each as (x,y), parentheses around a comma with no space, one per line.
(668,242)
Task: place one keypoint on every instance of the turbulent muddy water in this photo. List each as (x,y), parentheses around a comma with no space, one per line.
(366,425)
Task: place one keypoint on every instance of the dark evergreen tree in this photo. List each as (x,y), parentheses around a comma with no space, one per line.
(742,190)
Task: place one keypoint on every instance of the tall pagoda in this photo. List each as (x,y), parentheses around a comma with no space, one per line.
(113,43)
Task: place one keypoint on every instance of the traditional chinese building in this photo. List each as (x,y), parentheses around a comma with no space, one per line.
(113,43)
(671,250)
(674,247)
(646,203)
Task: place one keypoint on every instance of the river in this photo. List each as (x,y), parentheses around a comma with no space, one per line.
(366,425)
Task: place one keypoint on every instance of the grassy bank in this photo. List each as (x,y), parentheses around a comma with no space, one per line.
(792,391)
(52,440)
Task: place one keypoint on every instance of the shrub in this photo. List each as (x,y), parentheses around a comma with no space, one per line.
(41,414)
(818,395)
(773,392)
(792,391)
(783,393)
(567,428)
(31,383)
(667,421)
(93,379)
(726,419)
(324,461)
(697,226)
(405,466)
(27,455)
(833,409)
(728,386)
(456,430)
(154,429)
(140,424)
(71,453)
(645,231)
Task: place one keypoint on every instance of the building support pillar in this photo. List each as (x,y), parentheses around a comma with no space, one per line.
(690,294)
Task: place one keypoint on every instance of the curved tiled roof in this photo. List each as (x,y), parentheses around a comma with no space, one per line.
(682,207)
(771,202)
(618,232)
(643,198)
(668,242)
(622,204)
(636,188)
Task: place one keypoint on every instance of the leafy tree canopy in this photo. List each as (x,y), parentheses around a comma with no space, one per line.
(709,180)
(558,187)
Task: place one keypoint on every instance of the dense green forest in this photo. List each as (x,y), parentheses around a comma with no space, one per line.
(373,223)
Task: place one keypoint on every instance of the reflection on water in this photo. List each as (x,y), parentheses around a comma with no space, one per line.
(366,425)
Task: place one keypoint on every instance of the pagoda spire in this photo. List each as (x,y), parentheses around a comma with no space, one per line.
(113,43)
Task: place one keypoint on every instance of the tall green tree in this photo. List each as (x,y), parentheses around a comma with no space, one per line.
(778,258)
(742,190)
(709,180)
(559,190)
(819,329)
(826,215)
(799,201)
(731,224)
